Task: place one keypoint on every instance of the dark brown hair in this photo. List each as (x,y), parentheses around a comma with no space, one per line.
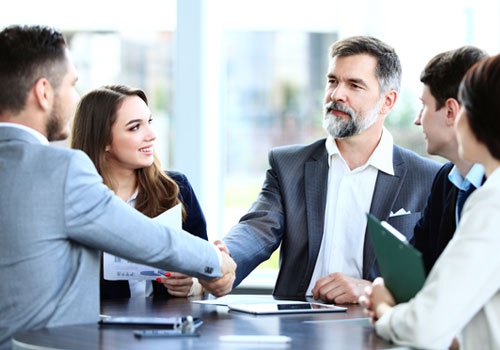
(443,72)
(479,94)
(28,53)
(94,117)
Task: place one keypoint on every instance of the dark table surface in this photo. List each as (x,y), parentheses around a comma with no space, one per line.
(345,330)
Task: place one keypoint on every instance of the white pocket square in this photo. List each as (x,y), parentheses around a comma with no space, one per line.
(400,212)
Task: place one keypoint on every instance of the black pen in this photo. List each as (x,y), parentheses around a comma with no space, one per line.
(153,333)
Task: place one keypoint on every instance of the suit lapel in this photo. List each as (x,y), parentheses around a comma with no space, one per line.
(315,182)
(386,190)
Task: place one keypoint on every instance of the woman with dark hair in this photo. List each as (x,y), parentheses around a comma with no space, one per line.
(112,125)
(461,296)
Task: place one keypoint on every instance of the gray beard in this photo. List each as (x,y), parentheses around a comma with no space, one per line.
(353,125)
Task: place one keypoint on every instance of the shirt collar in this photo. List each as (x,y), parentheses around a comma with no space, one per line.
(380,159)
(474,176)
(43,140)
(131,201)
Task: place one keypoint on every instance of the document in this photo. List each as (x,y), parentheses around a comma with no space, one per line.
(400,264)
(116,268)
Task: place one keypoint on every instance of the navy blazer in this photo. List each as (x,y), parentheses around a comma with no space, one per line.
(194,223)
(438,223)
(290,209)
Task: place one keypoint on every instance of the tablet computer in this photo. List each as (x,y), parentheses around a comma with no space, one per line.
(289,307)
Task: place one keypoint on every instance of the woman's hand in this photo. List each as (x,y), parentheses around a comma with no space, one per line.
(180,285)
(377,300)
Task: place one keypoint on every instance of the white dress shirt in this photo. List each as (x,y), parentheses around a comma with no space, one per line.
(349,197)
(461,296)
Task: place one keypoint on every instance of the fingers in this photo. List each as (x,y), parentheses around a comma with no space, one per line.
(339,288)
(366,302)
(219,286)
(322,287)
(177,284)
(179,293)
(222,246)
(228,265)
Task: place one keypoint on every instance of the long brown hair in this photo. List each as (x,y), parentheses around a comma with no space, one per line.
(478,94)
(91,133)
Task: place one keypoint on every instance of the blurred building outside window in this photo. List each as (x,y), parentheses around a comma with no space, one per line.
(227,80)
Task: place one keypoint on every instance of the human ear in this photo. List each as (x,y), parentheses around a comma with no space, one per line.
(390,98)
(452,108)
(43,93)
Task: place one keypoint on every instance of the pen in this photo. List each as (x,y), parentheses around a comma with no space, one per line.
(154,333)
(153,273)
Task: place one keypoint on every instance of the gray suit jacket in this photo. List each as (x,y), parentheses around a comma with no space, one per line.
(55,216)
(290,211)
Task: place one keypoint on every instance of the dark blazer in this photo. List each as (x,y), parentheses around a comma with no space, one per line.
(290,211)
(438,223)
(194,223)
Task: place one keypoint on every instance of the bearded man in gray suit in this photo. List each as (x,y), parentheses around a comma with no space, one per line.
(55,212)
(315,197)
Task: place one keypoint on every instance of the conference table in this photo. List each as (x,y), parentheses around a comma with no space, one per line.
(344,330)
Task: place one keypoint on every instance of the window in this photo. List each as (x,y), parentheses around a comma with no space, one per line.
(229,79)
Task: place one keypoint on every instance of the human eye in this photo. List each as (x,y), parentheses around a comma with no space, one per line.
(134,127)
(357,86)
(150,120)
(330,79)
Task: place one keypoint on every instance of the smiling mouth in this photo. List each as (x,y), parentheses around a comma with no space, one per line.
(146,149)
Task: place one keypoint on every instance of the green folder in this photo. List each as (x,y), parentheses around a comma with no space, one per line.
(400,264)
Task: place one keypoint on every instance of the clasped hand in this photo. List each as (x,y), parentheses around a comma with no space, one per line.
(224,284)
(377,300)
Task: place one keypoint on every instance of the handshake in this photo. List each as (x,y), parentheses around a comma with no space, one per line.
(224,284)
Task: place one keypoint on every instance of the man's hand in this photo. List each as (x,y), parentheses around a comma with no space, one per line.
(222,246)
(224,284)
(339,289)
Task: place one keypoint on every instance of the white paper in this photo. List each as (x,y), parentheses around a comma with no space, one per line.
(116,268)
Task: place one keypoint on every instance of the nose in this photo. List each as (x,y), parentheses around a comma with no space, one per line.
(418,119)
(151,135)
(337,94)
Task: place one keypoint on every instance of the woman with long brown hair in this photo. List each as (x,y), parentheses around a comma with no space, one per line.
(112,125)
